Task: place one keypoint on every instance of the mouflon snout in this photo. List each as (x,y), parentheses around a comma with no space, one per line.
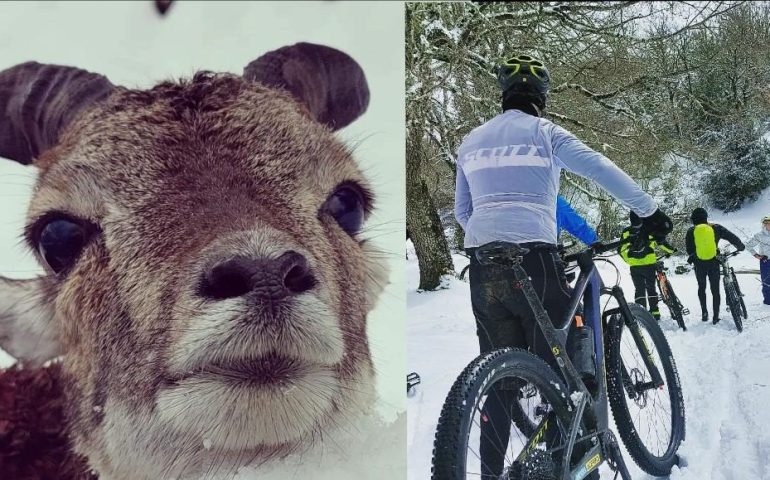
(207,280)
(265,279)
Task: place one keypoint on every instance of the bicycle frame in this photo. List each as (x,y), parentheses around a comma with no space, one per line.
(724,265)
(589,288)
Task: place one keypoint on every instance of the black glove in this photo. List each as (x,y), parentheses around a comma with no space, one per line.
(658,225)
(741,247)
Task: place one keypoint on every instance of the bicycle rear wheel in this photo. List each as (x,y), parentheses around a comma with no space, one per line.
(650,421)
(478,435)
(675,306)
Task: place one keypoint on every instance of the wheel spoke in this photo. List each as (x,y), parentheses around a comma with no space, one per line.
(487,448)
(650,412)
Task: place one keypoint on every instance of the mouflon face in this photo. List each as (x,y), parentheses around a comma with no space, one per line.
(207,283)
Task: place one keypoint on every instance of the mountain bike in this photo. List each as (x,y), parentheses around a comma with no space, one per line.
(668,296)
(555,426)
(733,295)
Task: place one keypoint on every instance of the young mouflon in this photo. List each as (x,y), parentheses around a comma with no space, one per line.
(206,285)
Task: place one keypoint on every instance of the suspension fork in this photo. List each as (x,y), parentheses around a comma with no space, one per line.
(636,333)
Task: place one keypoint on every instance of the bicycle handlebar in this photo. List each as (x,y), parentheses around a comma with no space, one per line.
(728,254)
(599,248)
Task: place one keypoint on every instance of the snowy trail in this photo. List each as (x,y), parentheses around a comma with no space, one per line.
(725,374)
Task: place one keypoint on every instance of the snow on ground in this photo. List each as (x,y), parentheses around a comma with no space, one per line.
(134,47)
(725,375)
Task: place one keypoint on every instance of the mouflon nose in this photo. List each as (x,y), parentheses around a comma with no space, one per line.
(267,278)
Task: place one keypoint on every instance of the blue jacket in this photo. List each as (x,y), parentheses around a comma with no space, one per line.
(570,220)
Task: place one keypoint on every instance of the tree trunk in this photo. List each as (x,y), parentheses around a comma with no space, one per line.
(458,239)
(423,222)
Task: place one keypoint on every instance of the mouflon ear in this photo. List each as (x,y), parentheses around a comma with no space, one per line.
(162,6)
(329,82)
(38,101)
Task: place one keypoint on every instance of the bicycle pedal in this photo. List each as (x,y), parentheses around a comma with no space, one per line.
(685,311)
(412,380)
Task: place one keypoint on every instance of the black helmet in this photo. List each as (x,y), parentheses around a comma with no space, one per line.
(634,218)
(699,215)
(523,74)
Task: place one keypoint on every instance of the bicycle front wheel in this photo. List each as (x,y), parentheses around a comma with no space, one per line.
(744,313)
(481,432)
(733,302)
(650,420)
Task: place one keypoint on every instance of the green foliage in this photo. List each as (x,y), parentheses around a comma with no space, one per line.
(741,170)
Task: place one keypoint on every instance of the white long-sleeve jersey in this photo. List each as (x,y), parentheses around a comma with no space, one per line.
(508,179)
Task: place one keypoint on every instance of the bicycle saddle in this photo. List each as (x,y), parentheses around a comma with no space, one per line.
(500,253)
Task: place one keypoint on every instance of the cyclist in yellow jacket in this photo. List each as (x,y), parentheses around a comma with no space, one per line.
(643,266)
(702,240)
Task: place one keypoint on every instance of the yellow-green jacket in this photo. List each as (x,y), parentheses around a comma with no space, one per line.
(647,256)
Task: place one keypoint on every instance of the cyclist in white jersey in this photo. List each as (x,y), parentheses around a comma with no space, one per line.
(507,183)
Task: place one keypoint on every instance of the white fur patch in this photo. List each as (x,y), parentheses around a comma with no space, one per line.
(204,430)
(27,326)
(310,331)
(246,416)
(377,272)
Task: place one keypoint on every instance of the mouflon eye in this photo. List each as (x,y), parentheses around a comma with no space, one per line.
(347,207)
(60,243)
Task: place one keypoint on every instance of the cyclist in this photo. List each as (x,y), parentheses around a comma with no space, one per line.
(571,221)
(701,241)
(507,182)
(759,245)
(642,265)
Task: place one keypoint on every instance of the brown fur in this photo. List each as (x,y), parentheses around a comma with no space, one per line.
(34,442)
(175,179)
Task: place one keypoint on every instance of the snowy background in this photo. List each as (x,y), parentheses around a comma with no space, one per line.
(725,375)
(135,47)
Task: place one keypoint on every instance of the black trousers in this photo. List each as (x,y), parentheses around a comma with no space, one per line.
(703,270)
(504,319)
(643,277)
